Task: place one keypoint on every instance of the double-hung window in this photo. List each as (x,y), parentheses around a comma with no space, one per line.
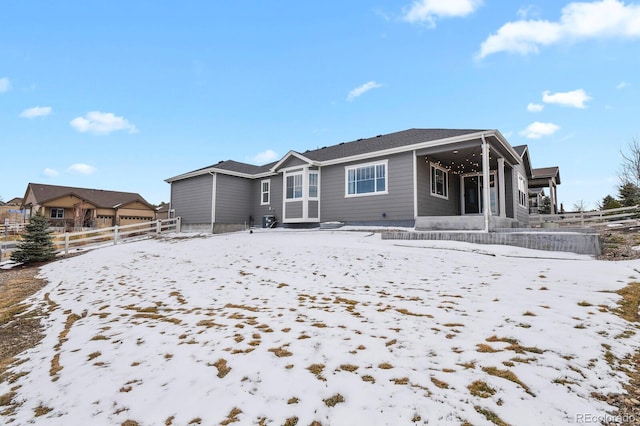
(313,184)
(366,179)
(294,186)
(439,182)
(265,192)
(522,191)
(57,213)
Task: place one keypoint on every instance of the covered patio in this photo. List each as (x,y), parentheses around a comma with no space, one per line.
(479,184)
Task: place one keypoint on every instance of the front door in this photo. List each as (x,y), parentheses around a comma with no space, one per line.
(472,197)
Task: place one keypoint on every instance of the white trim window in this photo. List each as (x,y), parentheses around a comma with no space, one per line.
(265,192)
(366,179)
(522,191)
(439,182)
(56,213)
(313,184)
(294,186)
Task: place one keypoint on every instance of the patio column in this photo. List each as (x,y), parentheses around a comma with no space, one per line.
(485,184)
(552,194)
(501,188)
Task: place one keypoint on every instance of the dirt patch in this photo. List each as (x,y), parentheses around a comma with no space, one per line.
(18,330)
(619,243)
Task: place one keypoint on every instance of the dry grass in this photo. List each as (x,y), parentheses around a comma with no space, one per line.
(348,367)
(385,366)
(490,416)
(281,351)
(630,303)
(413,314)
(368,378)
(316,369)
(507,375)
(222,367)
(439,383)
(481,389)
(332,401)
(232,417)
(483,348)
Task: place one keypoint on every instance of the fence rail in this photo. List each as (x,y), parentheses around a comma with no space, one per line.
(12,228)
(115,234)
(623,215)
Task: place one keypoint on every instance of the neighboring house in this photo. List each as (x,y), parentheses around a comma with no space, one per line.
(163,211)
(81,207)
(427,178)
(11,210)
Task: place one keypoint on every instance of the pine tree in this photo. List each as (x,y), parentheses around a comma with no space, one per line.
(37,243)
(629,194)
(609,202)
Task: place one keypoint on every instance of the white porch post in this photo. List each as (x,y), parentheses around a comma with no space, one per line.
(485,184)
(415,186)
(552,194)
(213,198)
(501,188)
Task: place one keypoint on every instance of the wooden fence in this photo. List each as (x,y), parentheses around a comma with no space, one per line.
(70,240)
(112,235)
(621,216)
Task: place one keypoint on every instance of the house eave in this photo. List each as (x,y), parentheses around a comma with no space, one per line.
(423,145)
(211,170)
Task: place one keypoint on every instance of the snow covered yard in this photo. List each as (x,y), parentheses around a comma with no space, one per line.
(341,328)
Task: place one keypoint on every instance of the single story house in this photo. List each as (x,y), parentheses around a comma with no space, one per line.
(82,207)
(441,179)
(10,212)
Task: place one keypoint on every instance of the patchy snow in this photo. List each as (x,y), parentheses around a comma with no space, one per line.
(331,326)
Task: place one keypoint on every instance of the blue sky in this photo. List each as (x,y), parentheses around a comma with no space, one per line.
(121,95)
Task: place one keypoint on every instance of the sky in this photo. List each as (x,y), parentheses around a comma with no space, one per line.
(123,95)
(277,329)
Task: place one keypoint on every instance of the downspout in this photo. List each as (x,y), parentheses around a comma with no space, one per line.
(213,199)
(486,183)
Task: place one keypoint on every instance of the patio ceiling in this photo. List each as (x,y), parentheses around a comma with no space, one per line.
(466,157)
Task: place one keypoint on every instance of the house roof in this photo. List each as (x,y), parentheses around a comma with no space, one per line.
(520,149)
(238,167)
(384,142)
(547,173)
(404,138)
(98,197)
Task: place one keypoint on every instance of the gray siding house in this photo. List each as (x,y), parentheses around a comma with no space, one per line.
(441,179)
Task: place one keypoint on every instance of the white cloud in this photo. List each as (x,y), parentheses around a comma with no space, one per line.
(574,98)
(50,172)
(534,107)
(537,130)
(35,112)
(264,157)
(101,123)
(429,10)
(5,85)
(622,85)
(83,169)
(359,91)
(579,21)
(528,11)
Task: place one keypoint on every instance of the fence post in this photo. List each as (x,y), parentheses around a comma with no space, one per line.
(115,235)
(178,224)
(158,226)
(66,243)
(582,219)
